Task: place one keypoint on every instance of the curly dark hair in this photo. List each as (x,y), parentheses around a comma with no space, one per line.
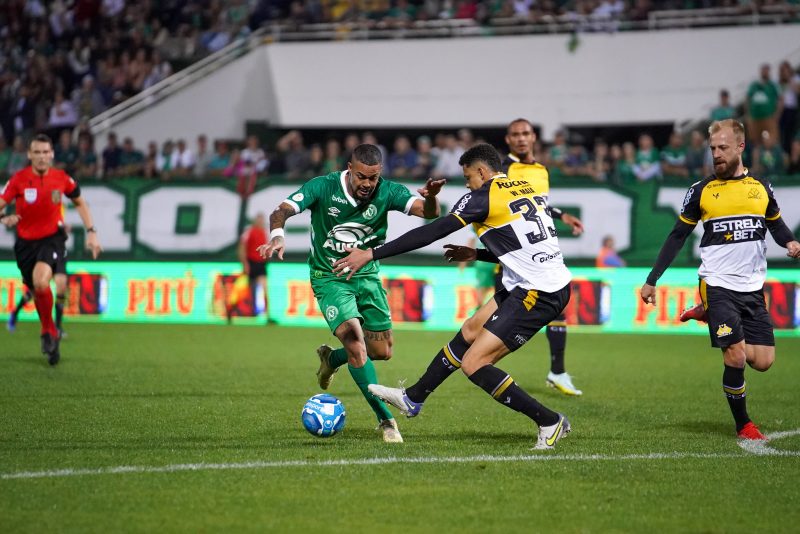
(482,152)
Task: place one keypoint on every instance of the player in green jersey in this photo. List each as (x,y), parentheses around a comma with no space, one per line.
(350,209)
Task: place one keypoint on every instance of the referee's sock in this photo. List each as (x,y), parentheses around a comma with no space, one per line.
(60,300)
(44,307)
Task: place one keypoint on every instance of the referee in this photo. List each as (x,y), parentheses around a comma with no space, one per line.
(37,192)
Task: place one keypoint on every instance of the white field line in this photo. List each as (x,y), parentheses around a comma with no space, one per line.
(125,469)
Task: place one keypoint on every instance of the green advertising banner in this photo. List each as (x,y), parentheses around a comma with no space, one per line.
(430,298)
(144,220)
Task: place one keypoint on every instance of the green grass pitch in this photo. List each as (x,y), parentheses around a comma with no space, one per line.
(197,429)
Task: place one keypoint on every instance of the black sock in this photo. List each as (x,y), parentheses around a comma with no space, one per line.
(445,363)
(23,300)
(557,336)
(733,385)
(504,390)
(60,299)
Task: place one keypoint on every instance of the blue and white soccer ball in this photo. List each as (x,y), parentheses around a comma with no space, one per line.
(323,415)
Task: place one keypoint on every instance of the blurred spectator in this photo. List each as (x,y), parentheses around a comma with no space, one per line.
(166,160)
(131,160)
(295,155)
(5,157)
(789,83)
(62,113)
(403,158)
(557,153)
(576,162)
(184,159)
(465,138)
(151,160)
(316,159)
(66,153)
(111,156)
(86,164)
(425,159)
(723,110)
(402,14)
(86,99)
(24,112)
(673,157)
(159,70)
(447,158)
(18,159)
(600,166)
(794,158)
(334,161)
(253,157)
(697,156)
(763,102)
(203,158)
(220,160)
(351,141)
(769,159)
(608,257)
(624,169)
(647,164)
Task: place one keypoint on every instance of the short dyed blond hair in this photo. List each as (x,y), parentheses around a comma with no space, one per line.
(733,124)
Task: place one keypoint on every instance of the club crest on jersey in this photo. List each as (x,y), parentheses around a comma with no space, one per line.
(55,196)
(30,195)
(348,234)
(370,212)
(754,194)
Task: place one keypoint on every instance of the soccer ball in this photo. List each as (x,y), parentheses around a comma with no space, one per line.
(323,415)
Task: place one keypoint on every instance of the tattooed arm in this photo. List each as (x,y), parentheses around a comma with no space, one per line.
(277,220)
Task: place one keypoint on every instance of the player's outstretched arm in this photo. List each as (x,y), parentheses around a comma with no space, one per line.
(672,245)
(429,207)
(277,220)
(92,241)
(412,240)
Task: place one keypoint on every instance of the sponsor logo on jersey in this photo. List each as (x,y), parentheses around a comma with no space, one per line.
(542,257)
(520,339)
(333,211)
(688,198)
(298,197)
(348,234)
(370,212)
(30,195)
(505,184)
(738,229)
(754,194)
(340,200)
(331,312)
(462,204)
(724,330)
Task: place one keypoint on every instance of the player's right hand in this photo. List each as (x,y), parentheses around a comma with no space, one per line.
(276,245)
(648,294)
(11,220)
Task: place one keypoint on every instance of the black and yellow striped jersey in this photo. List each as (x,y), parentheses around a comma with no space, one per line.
(735,214)
(512,220)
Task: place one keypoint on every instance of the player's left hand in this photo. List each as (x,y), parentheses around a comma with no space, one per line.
(351,263)
(93,244)
(459,253)
(793,249)
(11,220)
(574,222)
(431,187)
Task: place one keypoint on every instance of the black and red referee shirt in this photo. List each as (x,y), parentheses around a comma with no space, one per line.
(38,200)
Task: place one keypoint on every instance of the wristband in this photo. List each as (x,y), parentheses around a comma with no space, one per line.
(277,232)
(91,229)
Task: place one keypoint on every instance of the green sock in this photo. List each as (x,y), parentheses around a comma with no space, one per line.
(337,358)
(363,377)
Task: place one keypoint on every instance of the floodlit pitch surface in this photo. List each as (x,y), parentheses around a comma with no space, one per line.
(178,428)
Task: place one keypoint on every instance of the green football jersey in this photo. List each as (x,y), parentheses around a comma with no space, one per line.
(339,220)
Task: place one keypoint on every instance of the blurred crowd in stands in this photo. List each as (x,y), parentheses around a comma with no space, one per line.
(64,61)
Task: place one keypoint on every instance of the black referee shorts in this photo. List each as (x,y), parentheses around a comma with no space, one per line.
(523,312)
(734,316)
(50,250)
(257,268)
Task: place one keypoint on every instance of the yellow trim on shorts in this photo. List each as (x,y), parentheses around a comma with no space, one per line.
(704,294)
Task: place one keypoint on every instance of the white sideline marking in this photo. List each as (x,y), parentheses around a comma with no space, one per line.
(124,469)
(762,448)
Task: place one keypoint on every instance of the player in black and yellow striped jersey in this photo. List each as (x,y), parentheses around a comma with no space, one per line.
(520,164)
(736,209)
(513,222)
